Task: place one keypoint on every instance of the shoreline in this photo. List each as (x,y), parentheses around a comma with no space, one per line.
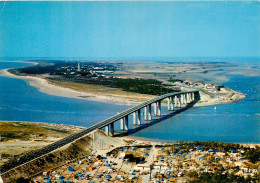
(44,86)
(154,141)
(43,123)
(160,141)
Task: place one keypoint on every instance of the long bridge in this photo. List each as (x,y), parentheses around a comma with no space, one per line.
(175,101)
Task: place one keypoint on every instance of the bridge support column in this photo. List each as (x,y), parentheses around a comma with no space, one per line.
(175,101)
(145,113)
(192,96)
(107,130)
(172,104)
(139,117)
(179,101)
(126,123)
(122,124)
(149,112)
(155,109)
(185,98)
(111,129)
(134,118)
(169,103)
(159,108)
(189,94)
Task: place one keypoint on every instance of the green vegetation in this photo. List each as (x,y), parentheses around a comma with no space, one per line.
(175,80)
(23,131)
(41,68)
(253,155)
(93,73)
(217,177)
(143,86)
(23,180)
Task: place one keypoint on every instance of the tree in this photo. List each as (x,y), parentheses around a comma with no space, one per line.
(22,180)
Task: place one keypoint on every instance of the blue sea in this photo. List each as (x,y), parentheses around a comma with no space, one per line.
(233,122)
(21,102)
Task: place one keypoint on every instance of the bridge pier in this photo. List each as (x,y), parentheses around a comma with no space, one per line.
(172,104)
(155,109)
(126,123)
(139,117)
(111,129)
(145,113)
(169,103)
(122,124)
(134,118)
(150,112)
(107,130)
(175,101)
(182,99)
(159,108)
(179,101)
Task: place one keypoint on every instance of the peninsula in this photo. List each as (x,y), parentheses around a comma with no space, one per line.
(128,82)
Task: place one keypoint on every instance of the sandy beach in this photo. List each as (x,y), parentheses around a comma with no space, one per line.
(44,86)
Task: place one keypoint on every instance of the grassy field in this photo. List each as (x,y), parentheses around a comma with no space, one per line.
(18,138)
(24,131)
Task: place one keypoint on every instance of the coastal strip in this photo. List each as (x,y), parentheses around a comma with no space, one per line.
(104,94)
(46,87)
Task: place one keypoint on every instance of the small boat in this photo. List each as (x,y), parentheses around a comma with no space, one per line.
(215,108)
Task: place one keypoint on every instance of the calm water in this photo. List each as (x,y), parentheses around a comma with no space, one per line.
(237,122)
(22,102)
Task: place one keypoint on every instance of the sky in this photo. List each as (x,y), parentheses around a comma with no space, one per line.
(130,30)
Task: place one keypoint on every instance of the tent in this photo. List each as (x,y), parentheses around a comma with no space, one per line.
(108,176)
(70,169)
(79,174)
